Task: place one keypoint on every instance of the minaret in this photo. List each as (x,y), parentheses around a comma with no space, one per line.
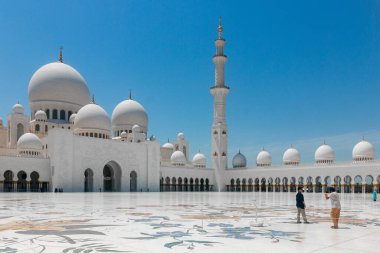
(219,127)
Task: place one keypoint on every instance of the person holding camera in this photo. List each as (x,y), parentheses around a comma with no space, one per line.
(300,203)
(335,206)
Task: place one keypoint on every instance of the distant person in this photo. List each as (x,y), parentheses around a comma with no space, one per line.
(374,195)
(300,203)
(335,206)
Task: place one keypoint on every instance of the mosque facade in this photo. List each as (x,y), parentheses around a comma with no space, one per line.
(70,143)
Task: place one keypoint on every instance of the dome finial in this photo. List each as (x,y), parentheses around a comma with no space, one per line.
(324,142)
(60,54)
(168,140)
(130,94)
(291,145)
(263,148)
(220,28)
(93,99)
(363,138)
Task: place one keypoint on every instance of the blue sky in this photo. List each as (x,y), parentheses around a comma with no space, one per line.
(300,72)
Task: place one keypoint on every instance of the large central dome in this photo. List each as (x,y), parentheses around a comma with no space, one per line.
(58,82)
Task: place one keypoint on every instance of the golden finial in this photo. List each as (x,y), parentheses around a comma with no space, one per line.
(220,28)
(60,54)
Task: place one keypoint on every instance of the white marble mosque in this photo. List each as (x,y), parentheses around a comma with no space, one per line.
(48,150)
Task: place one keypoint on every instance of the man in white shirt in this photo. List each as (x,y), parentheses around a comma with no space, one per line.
(335,206)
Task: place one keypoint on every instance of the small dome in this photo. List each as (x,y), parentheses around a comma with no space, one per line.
(239,161)
(324,154)
(363,151)
(40,116)
(29,141)
(291,157)
(199,159)
(264,158)
(168,145)
(129,113)
(93,117)
(124,134)
(181,136)
(136,128)
(58,82)
(178,157)
(72,118)
(18,108)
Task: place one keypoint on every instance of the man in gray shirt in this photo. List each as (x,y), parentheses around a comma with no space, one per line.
(335,206)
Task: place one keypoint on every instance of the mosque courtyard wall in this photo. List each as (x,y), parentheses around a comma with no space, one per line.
(71,156)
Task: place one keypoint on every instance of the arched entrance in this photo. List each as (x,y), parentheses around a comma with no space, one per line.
(34,184)
(88,180)
(21,181)
(111,177)
(358,184)
(347,184)
(133,181)
(369,184)
(8,181)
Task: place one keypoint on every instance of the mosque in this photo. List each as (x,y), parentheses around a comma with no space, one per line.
(69,143)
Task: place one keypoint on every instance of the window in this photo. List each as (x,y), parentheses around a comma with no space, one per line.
(55,114)
(37,128)
(48,113)
(46,128)
(62,115)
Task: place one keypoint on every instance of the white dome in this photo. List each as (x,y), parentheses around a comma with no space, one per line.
(72,118)
(18,108)
(129,113)
(178,157)
(291,156)
(199,159)
(239,161)
(58,82)
(168,145)
(181,136)
(324,154)
(363,151)
(136,128)
(29,141)
(124,134)
(264,158)
(40,115)
(93,117)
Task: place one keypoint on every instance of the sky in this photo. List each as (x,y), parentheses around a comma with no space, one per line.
(300,72)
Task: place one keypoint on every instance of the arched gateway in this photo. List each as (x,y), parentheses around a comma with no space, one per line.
(133,181)
(112,177)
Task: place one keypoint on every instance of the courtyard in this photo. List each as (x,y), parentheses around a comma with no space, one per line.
(184,222)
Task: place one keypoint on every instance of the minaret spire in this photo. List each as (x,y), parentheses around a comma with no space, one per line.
(60,54)
(220,29)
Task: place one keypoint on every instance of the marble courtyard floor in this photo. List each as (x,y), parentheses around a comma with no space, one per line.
(183,222)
